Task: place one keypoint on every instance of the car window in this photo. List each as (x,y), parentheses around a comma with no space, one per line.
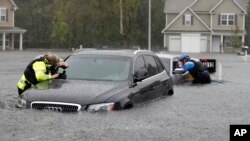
(151,65)
(159,65)
(175,63)
(139,63)
(103,68)
(166,63)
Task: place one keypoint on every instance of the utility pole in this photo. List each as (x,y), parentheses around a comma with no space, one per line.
(149,25)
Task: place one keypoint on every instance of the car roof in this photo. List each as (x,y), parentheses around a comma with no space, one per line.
(120,52)
(169,56)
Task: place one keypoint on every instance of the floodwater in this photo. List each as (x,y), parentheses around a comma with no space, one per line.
(193,113)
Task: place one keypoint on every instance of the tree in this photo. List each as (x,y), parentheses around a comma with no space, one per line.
(247,23)
(60,28)
(91,23)
(34,16)
(235,40)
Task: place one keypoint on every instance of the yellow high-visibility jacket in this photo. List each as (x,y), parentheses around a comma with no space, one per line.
(37,71)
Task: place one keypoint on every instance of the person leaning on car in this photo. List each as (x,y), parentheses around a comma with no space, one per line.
(40,69)
(196,69)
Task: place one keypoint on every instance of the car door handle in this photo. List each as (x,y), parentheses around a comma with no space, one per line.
(166,83)
(151,88)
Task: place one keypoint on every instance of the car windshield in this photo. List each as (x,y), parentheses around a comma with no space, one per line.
(98,67)
(166,63)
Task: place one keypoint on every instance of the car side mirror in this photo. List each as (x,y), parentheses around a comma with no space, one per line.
(178,71)
(141,74)
(62,75)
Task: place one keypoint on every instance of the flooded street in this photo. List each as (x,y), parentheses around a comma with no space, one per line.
(193,113)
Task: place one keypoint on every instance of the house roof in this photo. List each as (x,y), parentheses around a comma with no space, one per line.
(237,2)
(204,5)
(173,21)
(177,6)
(12,30)
(13,3)
(243,4)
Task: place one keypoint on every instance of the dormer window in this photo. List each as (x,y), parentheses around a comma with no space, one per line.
(188,19)
(227,19)
(3,15)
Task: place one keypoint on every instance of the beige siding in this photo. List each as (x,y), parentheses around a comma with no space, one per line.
(178,24)
(227,6)
(10,13)
(204,5)
(205,18)
(171,17)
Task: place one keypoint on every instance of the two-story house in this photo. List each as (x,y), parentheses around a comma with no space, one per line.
(203,25)
(7,26)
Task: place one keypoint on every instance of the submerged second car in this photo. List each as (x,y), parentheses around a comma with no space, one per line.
(103,80)
(170,63)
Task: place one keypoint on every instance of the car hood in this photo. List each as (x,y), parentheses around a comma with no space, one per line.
(74,91)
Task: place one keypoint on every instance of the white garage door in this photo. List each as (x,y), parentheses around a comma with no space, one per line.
(203,44)
(190,43)
(174,43)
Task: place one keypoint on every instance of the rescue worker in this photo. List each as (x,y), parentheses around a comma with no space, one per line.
(40,69)
(197,70)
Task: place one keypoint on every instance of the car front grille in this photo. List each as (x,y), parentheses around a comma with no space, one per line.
(56,106)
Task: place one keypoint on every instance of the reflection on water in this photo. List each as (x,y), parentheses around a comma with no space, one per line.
(50,84)
(218,75)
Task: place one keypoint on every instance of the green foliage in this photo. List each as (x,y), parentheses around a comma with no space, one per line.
(247,23)
(91,23)
(59,29)
(235,41)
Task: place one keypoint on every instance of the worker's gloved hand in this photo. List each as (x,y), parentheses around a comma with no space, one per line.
(62,75)
(54,76)
(63,65)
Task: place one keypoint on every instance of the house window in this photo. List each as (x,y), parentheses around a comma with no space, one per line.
(187,19)
(227,19)
(3,14)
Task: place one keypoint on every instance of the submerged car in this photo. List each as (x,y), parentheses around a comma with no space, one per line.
(170,63)
(103,80)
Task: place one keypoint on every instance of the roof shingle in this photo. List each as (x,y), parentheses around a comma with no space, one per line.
(176,6)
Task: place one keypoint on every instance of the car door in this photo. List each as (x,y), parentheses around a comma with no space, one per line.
(165,79)
(153,82)
(139,87)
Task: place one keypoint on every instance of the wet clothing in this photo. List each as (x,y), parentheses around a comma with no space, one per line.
(36,71)
(198,71)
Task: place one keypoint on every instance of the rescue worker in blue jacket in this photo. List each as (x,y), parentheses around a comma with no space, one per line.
(40,69)
(196,69)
